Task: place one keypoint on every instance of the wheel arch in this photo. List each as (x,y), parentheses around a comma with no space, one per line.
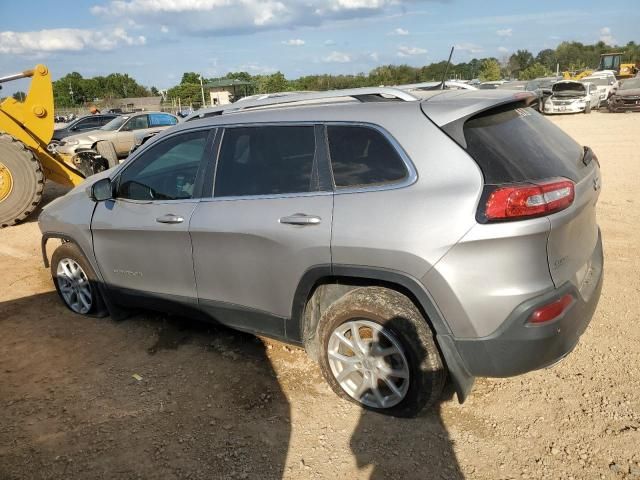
(114,310)
(324,284)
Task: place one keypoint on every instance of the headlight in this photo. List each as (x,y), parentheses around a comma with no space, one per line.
(72,142)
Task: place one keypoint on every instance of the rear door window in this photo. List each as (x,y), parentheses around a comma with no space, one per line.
(516,145)
(161,120)
(267,160)
(362,156)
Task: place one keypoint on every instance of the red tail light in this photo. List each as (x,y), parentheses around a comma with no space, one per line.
(529,200)
(552,311)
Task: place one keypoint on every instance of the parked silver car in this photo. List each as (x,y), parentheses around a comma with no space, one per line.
(398,240)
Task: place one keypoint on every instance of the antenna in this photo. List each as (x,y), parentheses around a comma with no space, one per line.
(446,70)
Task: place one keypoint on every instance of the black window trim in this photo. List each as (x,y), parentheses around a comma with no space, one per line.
(198,190)
(321,164)
(324,162)
(410,178)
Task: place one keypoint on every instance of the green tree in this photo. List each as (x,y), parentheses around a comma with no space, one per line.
(548,58)
(19,96)
(519,61)
(490,70)
(536,70)
(190,77)
(154,91)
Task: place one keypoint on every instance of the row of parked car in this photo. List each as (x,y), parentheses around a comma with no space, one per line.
(97,142)
(601,89)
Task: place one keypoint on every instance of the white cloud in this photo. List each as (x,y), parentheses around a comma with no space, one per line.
(329,43)
(240,16)
(606,37)
(337,57)
(404,51)
(503,49)
(374,56)
(65,40)
(469,47)
(294,42)
(504,32)
(164,29)
(401,32)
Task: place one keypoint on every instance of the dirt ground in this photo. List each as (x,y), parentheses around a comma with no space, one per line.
(213,403)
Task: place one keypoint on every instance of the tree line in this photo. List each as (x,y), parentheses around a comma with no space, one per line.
(74,90)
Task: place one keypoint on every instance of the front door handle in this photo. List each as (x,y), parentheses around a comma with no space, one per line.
(170,218)
(301,219)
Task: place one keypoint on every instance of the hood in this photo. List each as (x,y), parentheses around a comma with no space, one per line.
(569,87)
(90,137)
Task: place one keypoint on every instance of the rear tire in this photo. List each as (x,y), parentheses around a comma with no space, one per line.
(76,282)
(108,152)
(21,181)
(400,341)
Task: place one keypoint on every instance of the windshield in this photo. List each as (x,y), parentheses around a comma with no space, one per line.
(599,81)
(114,124)
(630,83)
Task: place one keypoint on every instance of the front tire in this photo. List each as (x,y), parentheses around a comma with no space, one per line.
(21,181)
(379,352)
(587,108)
(76,282)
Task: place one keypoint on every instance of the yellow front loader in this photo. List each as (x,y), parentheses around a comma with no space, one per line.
(25,164)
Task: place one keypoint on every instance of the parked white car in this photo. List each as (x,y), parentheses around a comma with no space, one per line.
(569,96)
(604,82)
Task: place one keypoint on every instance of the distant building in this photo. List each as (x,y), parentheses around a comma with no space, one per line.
(226,90)
(135,104)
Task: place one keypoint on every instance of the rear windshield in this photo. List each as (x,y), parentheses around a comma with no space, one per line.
(516,145)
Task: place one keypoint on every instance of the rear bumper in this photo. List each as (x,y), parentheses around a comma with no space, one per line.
(518,346)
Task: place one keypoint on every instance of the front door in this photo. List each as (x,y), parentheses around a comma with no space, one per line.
(141,237)
(268,222)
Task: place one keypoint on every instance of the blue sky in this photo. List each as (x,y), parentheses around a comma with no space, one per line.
(156,40)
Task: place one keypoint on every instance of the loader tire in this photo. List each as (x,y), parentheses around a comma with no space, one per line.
(21,181)
(106,150)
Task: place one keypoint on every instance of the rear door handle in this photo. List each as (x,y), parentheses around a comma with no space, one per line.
(170,218)
(301,219)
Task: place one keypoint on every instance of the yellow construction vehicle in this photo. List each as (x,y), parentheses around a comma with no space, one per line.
(25,164)
(613,61)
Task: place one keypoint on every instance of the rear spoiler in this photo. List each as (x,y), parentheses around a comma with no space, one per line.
(451,110)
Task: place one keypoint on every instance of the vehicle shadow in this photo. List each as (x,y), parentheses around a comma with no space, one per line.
(402,448)
(153,396)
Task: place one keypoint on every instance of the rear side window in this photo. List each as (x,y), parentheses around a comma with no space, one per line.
(161,120)
(362,156)
(516,145)
(266,161)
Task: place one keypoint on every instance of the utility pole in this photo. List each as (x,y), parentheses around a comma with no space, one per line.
(202,91)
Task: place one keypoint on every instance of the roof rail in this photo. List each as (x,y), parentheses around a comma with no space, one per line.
(366,94)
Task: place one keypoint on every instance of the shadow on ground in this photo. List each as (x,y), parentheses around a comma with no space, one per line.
(163,397)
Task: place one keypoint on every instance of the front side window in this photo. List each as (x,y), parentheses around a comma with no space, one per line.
(266,160)
(362,156)
(136,123)
(167,171)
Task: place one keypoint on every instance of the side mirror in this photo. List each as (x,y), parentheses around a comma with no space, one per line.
(101,190)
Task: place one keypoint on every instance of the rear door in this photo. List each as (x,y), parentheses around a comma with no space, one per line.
(123,140)
(267,223)
(141,238)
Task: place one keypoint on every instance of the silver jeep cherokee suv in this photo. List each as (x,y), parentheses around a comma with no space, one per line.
(398,239)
